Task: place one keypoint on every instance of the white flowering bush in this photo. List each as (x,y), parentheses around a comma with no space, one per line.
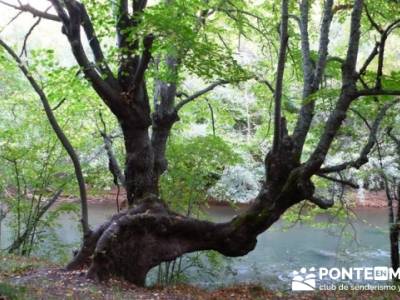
(238,184)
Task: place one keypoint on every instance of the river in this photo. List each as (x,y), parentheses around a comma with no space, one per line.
(281,249)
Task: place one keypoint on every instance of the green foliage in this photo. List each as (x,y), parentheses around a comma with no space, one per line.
(194,165)
(11,292)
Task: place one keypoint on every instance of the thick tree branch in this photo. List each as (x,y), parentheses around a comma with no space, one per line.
(138,6)
(123,22)
(145,59)
(96,48)
(323,43)
(322,203)
(347,95)
(71,28)
(377,92)
(131,65)
(284,38)
(312,77)
(60,134)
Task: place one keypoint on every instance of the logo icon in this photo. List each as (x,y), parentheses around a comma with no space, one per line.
(303,280)
(381,273)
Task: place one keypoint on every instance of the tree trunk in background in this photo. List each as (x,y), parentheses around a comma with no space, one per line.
(394,247)
(164,116)
(140,178)
(394,218)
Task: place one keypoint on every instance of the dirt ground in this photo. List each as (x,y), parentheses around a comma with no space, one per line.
(51,282)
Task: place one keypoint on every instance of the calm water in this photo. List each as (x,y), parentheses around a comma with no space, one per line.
(280,250)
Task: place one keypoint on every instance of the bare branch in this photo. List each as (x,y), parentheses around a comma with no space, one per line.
(372,21)
(363,157)
(323,43)
(60,134)
(340,181)
(336,59)
(369,59)
(23,50)
(393,137)
(322,203)
(385,34)
(364,119)
(267,83)
(59,104)
(284,38)
(12,20)
(379,49)
(212,116)
(377,92)
(35,12)
(200,93)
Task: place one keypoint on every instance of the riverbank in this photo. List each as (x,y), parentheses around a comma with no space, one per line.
(30,278)
(113,197)
(355,198)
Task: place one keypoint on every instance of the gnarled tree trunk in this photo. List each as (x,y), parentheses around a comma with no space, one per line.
(148,233)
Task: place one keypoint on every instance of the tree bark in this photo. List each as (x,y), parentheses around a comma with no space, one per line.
(140,179)
(394,247)
(164,116)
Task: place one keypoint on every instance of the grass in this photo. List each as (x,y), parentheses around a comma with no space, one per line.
(12,292)
(14,265)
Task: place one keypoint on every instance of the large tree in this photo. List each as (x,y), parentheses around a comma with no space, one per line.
(148,233)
